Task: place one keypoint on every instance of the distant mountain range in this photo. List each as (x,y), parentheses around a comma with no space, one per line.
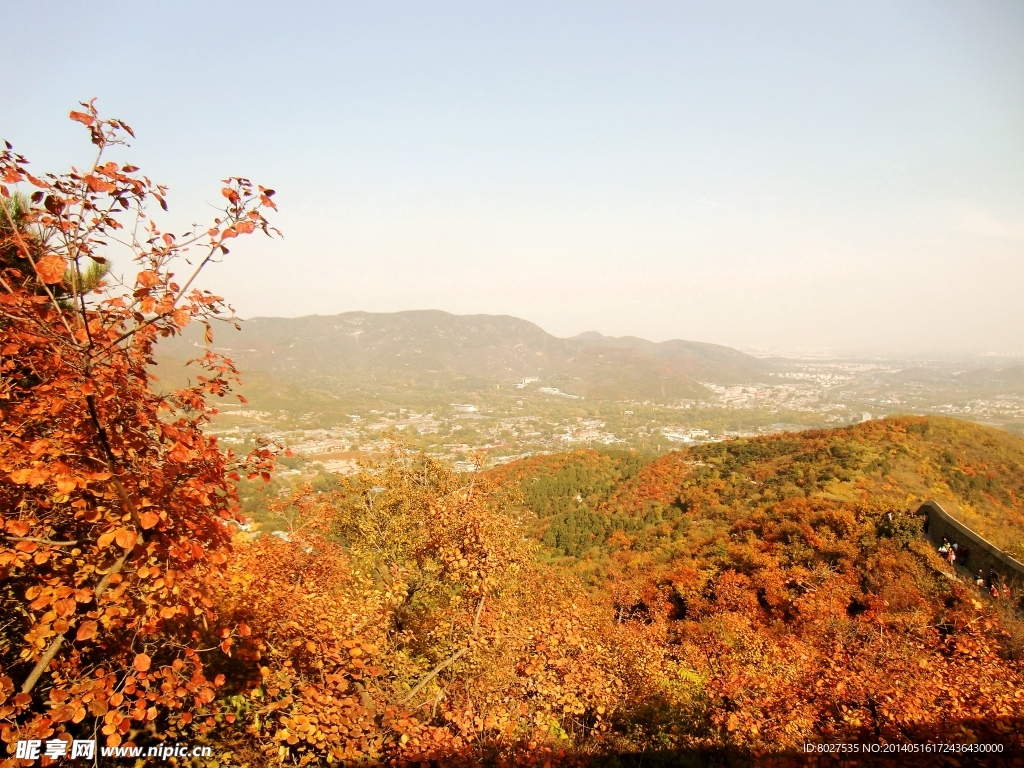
(430,347)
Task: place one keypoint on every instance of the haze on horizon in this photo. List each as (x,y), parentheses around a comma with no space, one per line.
(775,176)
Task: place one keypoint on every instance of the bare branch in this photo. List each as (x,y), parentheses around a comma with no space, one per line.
(450,660)
(43,541)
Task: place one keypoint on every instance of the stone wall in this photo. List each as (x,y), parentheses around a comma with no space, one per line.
(982,554)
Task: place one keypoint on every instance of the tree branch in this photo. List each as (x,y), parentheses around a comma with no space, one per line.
(43,541)
(435,672)
(55,644)
(101,587)
(449,661)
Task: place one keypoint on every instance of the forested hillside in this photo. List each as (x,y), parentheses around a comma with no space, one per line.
(781,583)
(975,471)
(725,603)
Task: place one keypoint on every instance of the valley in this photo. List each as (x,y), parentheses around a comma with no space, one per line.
(489,389)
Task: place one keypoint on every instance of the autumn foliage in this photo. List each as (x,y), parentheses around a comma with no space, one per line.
(114,504)
(402,616)
(780,592)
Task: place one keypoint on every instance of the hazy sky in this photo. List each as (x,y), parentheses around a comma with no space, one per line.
(764,175)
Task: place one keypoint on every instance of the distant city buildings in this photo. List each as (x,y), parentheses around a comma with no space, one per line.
(589,431)
(558,393)
(502,426)
(682,435)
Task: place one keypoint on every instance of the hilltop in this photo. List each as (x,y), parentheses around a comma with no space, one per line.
(976,472)
(707,362)
(430,349)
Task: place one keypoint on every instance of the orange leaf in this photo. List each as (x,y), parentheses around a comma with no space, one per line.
(38,476)
(97,184)
(182,317)
(142,662)
(81,117)
(180,453)
(51,269)
(125,539)
(148,279)
(65,484)
(86,631)
(104,541)
(148,520)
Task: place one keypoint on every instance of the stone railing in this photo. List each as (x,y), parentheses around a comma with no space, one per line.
(982,554)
